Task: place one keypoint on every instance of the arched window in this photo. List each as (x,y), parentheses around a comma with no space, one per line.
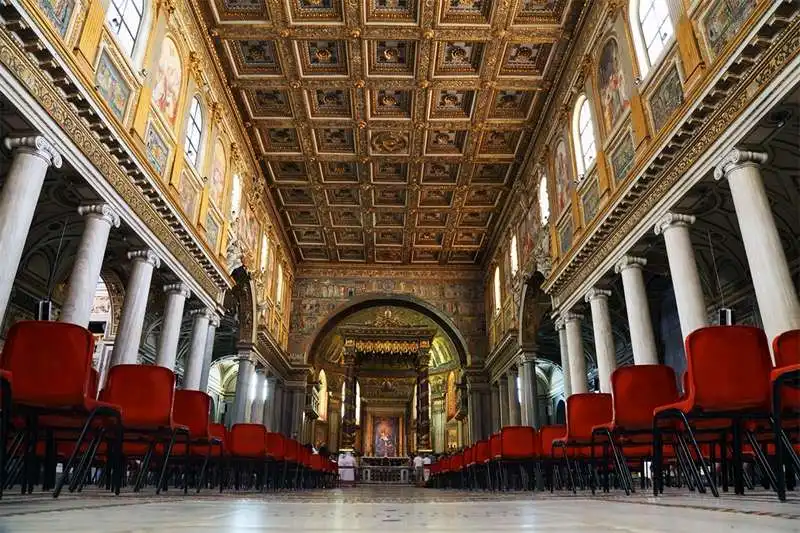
(194,132)
(264,252)
(497,296)
(652,30)
(279,288)
(236,195)
(514,253)
(124,17)
(544,200)
(583,135)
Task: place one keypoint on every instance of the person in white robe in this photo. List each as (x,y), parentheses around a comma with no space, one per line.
(347,468)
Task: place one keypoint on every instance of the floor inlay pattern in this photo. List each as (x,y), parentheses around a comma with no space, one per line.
(398,509)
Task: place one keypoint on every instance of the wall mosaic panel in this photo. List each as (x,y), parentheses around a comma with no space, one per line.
(666,98)
(111,85)
(723,20)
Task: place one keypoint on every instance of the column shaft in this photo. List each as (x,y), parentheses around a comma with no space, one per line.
(129,334)
(423,408)
(246,371)
(603,337)
(529,406)
(683,270)
(257,413)
(349,419)
(495,402)
(77,308)
(564,349)
(775,291)
(209,351)
(31,158)
(277,413)
(269,403)
(637,308)
(171,325)
(577,360)
(502,386)
(513,398)
(193,370)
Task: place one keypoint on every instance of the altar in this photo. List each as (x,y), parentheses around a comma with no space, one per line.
(385,470)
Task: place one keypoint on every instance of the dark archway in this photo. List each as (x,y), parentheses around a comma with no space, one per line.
(367,301)
(561,412)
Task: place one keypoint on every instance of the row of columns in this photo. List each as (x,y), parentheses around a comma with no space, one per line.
(31,158)
(267,406)
(774,289)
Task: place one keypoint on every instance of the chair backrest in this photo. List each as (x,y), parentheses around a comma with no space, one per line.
(518,442)
(638,390)
(786,348)
(496,445)
(219,431)
(584,411)
(291,450)
(276,445)
(728,368)
(247,440)
(94,383)
(482,451)
(192,408)
(50,362)
(144,392)
(547,434)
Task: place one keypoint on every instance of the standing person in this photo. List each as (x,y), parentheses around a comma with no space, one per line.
(419,469)
(347,469)
(426,463)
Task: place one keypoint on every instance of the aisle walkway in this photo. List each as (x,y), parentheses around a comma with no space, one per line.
(385,510)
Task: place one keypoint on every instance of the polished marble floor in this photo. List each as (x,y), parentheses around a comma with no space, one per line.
(382,509)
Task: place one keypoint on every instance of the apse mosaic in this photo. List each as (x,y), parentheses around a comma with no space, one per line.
(394,115)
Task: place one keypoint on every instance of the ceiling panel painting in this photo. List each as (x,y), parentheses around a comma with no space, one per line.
(390,131)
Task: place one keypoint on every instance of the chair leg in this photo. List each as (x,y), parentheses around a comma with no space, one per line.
(202,477)
(5,422)
(73,455)
(167,453)
(703,465)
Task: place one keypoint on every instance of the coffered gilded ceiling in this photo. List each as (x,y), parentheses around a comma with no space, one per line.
(390,131)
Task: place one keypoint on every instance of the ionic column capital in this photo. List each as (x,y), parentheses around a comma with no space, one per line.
(569,316)
(35,145)
(597,294)
(559,323)
(145,255)
(214,321)
(512,372)
(202,312)
(737,158)
(629,261)
(178,288)
(526,358)
(102,212)
(672,220)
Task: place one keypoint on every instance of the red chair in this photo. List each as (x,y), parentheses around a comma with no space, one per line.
(5,423)
(247,445)
(519,447)
(51,365)
(584,412)
(481,464)
(545,436)
(785,380)
(145,394)
(728,370)
(192,409)
(636,392)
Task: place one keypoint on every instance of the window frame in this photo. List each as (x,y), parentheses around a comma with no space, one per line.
(578,139)
(121,8)
(644,58)
(195,123)
(513,252)
(497,291)
(544,201)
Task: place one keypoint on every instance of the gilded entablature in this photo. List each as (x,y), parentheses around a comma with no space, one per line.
(391,118)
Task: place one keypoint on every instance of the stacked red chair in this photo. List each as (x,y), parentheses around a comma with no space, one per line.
(785,385)
(518,454)
(481,476)
(728,377)
(192,409)
(546,436)
(51,365)
(584,413)
(276,458)
(145,395)
(636,392)
(247,446)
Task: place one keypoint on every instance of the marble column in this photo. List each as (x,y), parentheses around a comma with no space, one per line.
(495,402)
(196,359)
(502,387)
(77,308)
(298,413)
(475,411)
(334,418)
(31,157)
(423,403)
(129,334)
(349,419)
(269,403)
(277,412)
(246,373)
(637,307)
(208,354)
(775,292)
(564,349)
(167,349)
(683,270)
(603,336)
(577,361)
(513,397)
(529,406)
(257,409)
